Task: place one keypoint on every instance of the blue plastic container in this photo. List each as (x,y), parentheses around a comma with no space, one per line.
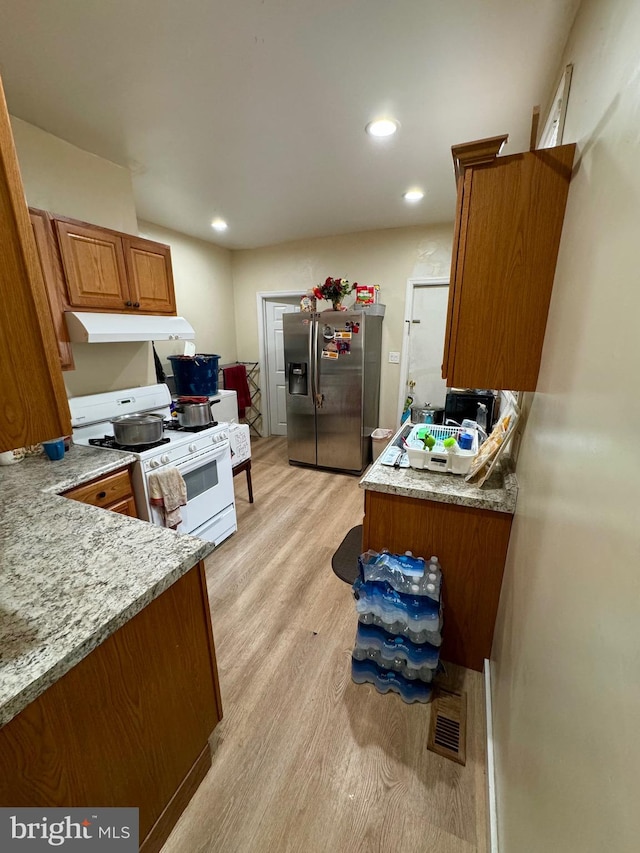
(195,375)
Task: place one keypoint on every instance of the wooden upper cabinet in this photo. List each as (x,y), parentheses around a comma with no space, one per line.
(94,266)
(53,275)
(149,275)
(107,270)
(509,219)
(34,401)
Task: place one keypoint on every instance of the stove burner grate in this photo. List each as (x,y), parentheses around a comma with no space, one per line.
(110,442)
(174,426)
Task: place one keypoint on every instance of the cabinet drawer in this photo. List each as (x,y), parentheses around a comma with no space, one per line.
(107,490)
(127,506)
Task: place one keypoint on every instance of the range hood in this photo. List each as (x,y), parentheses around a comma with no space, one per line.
(97,328)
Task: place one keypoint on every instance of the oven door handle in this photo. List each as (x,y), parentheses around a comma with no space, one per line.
(211,455)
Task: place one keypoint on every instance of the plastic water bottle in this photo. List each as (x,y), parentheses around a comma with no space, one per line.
(384,680)
(407,574)
(392,651)
(416,617)
(481,416)
(434,638)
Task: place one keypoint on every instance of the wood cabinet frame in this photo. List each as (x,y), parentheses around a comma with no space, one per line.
(471,545)
(151,287)
(133,289)
(53,274)
(34,401)
(509,217)
(129,724)
(113,491)
(94,266)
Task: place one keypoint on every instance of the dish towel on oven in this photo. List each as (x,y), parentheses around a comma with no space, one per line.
(168,490)
(235,379)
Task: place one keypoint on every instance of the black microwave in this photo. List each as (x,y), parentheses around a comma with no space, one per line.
(463,403)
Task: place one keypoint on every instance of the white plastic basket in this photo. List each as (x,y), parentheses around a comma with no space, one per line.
(440,458)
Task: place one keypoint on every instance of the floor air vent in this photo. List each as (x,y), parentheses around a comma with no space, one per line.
(448,726)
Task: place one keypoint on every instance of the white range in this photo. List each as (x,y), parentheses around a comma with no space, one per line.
(203,457)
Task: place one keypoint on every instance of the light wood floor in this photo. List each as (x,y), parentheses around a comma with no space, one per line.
(304,759)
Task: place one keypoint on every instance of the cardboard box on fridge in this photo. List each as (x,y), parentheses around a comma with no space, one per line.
(240,443)
(366,294)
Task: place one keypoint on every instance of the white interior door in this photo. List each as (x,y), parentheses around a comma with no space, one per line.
(426,343)
(274,353)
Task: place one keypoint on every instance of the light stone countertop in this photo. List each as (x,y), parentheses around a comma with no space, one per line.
(499,493)
(71,574)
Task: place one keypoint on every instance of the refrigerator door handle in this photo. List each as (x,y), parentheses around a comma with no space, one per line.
(313,357)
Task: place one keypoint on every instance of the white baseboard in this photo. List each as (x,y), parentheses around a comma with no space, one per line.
(491,773)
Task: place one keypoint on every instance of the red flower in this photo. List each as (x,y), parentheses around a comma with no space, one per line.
(333,289)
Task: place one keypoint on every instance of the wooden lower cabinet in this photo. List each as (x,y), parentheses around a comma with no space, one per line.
(125,507)
(129,725)
(471,545)
(113,492)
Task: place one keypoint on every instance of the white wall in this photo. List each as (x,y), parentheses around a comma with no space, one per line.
(387,258)
(204,292)
(64,179)
(566,654)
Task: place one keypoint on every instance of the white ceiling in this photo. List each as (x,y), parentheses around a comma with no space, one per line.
(254,110)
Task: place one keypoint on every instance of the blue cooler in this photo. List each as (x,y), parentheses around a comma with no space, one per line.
(195,375)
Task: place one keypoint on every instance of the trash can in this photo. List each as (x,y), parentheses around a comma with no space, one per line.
(379,440)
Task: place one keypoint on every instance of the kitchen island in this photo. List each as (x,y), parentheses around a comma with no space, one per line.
(467,527)
(108,680)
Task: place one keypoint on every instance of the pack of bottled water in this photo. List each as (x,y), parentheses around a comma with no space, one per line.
(399,607)
(397,652)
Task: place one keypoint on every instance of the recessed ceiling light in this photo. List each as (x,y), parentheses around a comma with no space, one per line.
(413,195)
(219,225)
(382,127)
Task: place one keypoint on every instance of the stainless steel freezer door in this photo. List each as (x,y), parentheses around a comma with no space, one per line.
(301,418)
(340,384)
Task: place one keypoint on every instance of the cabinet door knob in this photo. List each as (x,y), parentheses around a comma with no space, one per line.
(102,494)
(128,303)
(136,304)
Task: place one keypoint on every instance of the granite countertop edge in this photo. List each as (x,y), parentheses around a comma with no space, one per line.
(31,691)
(31,495)
(498,494)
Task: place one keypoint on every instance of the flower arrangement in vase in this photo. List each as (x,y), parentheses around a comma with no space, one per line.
(334,290)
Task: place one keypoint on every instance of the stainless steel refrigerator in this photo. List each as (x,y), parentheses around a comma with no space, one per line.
(332,370)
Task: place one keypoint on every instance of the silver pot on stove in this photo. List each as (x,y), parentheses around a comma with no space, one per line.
(194,412)
(137,429)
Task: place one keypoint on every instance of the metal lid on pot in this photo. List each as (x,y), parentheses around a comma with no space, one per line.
(137,419)
(419,412)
